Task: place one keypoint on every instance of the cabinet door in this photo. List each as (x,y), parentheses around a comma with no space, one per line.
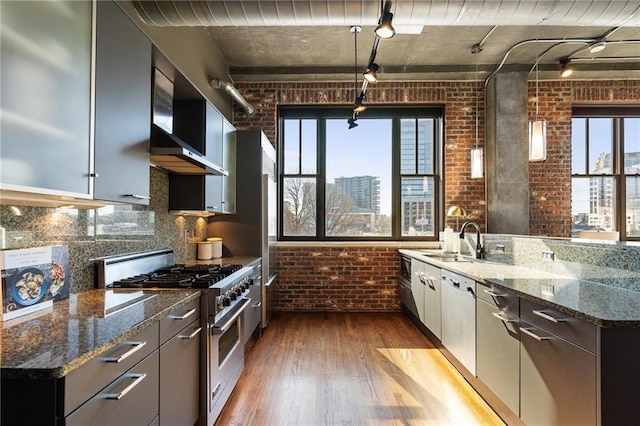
(123,102)
(498,347)
(432,299)
(418,286)
(180,377)
(558,380)
(45,81)
(229,155)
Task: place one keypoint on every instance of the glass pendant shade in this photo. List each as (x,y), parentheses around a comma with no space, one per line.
(477,166)
(537,140)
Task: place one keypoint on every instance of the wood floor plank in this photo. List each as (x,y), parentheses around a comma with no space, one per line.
(312,369)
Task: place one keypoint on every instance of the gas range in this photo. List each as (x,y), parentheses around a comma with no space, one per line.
(227,291)
(179,276)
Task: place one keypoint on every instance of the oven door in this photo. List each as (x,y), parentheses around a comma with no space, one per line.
(226,360)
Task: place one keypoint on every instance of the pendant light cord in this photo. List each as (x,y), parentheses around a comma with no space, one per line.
(477,102)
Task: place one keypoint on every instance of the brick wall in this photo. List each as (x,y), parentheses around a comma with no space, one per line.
(338,279)
(365,279)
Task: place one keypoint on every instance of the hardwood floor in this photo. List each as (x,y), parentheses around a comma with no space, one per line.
(312,369)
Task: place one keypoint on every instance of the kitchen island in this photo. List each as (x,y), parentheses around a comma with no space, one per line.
(541,347)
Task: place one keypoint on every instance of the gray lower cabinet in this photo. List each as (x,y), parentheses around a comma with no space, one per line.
(179,372)
(132,399)
(558,377)
(426,289)
(498,344)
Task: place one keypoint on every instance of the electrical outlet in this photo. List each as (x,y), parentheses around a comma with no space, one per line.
(500,248)
(547,289)
(547,255)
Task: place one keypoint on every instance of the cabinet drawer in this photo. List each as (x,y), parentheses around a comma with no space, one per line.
(86,381)
(132,399)
(179,319)
(572,329)
(505,300)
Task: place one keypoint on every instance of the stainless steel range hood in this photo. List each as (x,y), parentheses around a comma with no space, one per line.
(172,153)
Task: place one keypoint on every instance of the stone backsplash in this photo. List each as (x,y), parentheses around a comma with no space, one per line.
(110,230)
(606,262)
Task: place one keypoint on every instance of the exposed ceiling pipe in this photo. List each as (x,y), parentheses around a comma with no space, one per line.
(233,92)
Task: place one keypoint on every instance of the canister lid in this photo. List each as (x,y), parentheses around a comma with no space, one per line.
(211,239)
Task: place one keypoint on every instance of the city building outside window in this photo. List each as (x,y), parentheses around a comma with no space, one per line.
(378,180)
(605,147)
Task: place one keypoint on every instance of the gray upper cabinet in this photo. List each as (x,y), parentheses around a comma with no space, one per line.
(45,81)
(200,125)
(48,150)
(123,108)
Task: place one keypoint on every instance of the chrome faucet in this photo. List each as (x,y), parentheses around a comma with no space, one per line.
(479,249)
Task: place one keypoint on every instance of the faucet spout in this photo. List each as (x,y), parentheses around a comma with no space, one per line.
(479,249)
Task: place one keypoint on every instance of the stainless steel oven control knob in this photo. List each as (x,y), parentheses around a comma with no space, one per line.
(226,301)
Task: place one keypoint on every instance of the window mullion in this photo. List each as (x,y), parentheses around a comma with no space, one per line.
(321,179)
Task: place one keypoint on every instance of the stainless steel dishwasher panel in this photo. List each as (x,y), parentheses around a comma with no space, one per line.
(459,318)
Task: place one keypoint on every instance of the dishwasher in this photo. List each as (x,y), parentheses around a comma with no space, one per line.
(459,318)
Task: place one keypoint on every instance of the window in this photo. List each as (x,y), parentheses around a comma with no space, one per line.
(379,180)
(605,168)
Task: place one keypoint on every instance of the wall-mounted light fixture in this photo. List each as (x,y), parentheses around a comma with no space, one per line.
(537,132)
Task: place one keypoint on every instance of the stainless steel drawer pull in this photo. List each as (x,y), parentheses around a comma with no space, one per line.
(192,335)
(137,379)
(456,284)
(138,196)
(431,286)
(185,316)
(257,305)
(532,334)
(136,347)
(493,293)
(503,319)
(548,317)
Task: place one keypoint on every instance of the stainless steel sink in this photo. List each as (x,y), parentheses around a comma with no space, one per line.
(444,257)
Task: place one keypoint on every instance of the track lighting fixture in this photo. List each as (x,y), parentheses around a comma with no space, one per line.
(352,121)
(565,69)
(360,106)
(371,73)
(385,29)
(597,47)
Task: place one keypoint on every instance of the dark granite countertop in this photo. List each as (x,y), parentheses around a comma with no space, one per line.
(599,304)
(53,342)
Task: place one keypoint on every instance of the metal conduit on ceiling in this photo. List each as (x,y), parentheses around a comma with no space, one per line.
(416,12)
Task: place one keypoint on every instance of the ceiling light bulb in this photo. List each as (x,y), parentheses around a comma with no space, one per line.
(565,69)
(385,29)
(360,106)
(371,74)
(598,47)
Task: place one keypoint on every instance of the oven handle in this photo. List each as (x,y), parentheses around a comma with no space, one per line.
(219,330)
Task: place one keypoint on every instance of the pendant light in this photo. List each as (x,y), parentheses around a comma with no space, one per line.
(477,163)
(537,132)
